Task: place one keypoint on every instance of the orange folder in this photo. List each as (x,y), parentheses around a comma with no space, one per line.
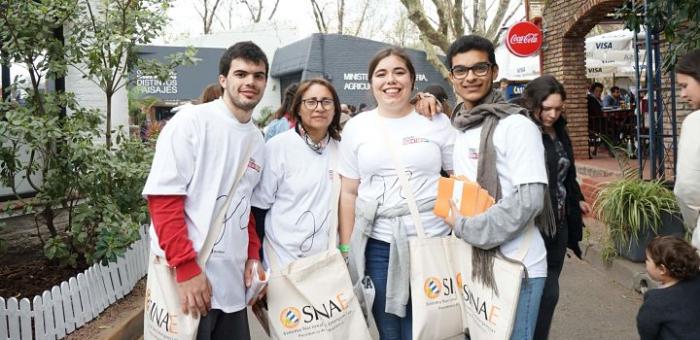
(471,198)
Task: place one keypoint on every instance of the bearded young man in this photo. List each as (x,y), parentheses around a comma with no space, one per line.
(194,167)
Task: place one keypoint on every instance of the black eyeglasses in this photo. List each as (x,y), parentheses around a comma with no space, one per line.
(311,104)
(480,70)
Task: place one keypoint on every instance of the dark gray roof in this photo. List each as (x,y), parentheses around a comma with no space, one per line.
(292,58)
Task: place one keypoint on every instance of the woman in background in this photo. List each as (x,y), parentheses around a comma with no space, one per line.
(284,119)
(687,188)
(544,97)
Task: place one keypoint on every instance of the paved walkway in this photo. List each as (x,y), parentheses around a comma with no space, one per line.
(592,306)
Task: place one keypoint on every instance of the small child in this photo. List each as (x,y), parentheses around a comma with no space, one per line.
(673,310)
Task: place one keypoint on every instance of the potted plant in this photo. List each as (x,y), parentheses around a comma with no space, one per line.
(635,211)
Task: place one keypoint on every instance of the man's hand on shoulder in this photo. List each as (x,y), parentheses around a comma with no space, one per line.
(195,295)
(426,104)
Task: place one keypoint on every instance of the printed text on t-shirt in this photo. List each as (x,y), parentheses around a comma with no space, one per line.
(473,153)
(254,166)
(414,140)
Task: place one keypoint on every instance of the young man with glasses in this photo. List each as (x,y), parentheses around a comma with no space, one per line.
(499,147)
(197,156)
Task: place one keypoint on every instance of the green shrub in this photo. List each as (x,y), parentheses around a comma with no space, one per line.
(100,188)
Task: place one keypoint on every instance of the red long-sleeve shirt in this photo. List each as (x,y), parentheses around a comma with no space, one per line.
(168,215)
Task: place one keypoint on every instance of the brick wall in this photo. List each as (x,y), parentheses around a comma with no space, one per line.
(566,24)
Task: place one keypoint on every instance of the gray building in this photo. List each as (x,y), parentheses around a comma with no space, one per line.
(343,60)
(186,83)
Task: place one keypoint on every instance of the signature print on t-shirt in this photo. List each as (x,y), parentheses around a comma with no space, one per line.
(307,221)
(232,219)
(238,212)
(390,183)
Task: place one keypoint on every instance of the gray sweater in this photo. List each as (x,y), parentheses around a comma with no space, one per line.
(398,279)
(505,220)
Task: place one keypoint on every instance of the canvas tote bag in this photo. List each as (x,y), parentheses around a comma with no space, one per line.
(163,318)
(434,296)
(312,298)
(489,314)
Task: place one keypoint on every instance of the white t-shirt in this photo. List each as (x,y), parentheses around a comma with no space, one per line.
(424,146)
(519,160)
(197,155)
(296,186)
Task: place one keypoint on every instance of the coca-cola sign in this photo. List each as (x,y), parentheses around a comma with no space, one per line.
(524,39)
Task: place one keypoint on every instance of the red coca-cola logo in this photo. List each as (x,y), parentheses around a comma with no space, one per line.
(524,39)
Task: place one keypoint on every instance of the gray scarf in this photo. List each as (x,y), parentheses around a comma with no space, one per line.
(487,114)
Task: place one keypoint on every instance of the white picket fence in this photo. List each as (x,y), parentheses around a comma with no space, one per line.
(66,307)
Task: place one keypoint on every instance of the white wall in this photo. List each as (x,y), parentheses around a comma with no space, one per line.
(90,96)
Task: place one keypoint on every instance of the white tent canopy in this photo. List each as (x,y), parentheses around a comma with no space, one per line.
(516,68)
(612,54)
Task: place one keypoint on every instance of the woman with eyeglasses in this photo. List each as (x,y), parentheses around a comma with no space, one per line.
(372,200)
(292,199)
(544,98)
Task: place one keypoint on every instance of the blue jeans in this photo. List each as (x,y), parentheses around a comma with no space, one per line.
(390,326)
(528,308)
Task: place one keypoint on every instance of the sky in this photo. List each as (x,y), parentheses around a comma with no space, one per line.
(186,20)
(379,24)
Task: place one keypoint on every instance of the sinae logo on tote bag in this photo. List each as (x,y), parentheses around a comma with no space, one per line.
(434,295)
(487,315)
(483,309)
(293,318)
(163,318)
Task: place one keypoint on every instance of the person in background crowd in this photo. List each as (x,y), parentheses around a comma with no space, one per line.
(284,120)
(613,99)
(344,108)
(687,187)
(596,120)
(439,93)
(353,110)
(196,155)
(503,87)
(211,93)
(290,202)
(361,108)
(382,225)
(544,97)
(672,311)
(501,149)
(345,114)
(595,91)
